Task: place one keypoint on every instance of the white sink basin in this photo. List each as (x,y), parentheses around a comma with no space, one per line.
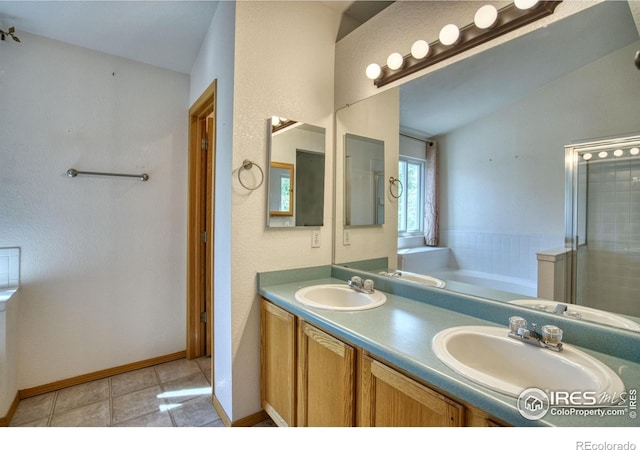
(422,279)
(487,356)
(584,312)
(339,297)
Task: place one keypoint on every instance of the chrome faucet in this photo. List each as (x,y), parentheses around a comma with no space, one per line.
(551,337)
(390,274)
(357,284)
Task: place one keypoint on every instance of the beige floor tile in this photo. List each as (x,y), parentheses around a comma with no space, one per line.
(133,381)
(178,391)
(81,395)
(36,423)
(266,423)
(196,412)
(175,370)
(34,408)
(93,415)
(156,419)
(205,365)
(136,404)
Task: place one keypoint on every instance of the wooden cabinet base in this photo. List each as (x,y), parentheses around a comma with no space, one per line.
(311,378)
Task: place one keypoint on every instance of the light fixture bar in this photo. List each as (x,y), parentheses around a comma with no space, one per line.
(509,18)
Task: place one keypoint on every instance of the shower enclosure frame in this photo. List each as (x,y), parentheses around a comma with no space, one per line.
(573,156)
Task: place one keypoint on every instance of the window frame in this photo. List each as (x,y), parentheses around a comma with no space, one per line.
(421,190)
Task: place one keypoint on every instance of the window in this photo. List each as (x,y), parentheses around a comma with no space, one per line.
(411,202)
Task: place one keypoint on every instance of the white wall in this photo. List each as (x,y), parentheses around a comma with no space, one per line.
(505,182)
(103,278)
(376,118)
(216,62)
(283,65)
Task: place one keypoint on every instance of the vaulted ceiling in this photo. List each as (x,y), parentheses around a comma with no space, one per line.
(166,34)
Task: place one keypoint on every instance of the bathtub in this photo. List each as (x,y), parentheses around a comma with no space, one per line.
(439,262)
(488,280)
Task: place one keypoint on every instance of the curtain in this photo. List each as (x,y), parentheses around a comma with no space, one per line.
(431,226)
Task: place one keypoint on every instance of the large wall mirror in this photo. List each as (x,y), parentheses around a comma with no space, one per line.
(364,181)
(501,120)
(296,174)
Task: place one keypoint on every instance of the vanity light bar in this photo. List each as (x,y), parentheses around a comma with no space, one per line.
(604,154)
(454,41)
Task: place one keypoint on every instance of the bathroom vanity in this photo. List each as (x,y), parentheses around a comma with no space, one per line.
(376,367)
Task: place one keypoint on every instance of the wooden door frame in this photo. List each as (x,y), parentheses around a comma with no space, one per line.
(196,332)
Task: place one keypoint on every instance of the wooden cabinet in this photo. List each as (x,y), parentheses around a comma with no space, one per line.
(326,379)
(310,378)
(278,363)
(388,398)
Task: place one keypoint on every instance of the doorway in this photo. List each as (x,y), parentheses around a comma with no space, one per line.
(200,229)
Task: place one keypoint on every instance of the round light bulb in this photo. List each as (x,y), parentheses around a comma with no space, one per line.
(634,151)
(525,4)
(486,17)
(420,49)
(618,153)
(587,156)
(449,34)
(275,121)
(603,155)
(395,61)
(373,71)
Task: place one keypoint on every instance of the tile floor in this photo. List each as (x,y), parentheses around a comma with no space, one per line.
(173,394)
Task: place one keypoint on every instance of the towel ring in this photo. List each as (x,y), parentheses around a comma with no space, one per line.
(392,182)
(248,165)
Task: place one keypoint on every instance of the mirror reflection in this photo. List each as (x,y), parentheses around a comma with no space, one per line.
(281,188)
(501,120)
(364,181)
(296,174)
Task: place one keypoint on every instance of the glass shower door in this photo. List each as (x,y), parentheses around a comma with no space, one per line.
(604,224)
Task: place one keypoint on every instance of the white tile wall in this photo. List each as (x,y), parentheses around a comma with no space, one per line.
(508,254)
(9,267)
(610,277)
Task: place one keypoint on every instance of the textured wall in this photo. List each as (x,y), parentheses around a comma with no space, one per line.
(284,66)
(103,279)
(215,62)
(376,118)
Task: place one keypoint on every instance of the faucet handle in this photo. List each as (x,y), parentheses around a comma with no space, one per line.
(356,280)
(552,334)
(368,285)
(516,323)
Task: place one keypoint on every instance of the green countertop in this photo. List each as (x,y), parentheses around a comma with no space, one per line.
(401,330)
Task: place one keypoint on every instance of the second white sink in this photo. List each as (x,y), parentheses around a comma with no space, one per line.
(486,355)
(339,297)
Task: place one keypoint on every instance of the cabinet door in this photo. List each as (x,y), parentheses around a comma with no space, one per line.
(326,379)
(390,399)
(277,362)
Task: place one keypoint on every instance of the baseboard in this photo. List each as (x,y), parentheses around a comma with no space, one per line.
(61,384)
(220,410)
(248,421)
(5,421)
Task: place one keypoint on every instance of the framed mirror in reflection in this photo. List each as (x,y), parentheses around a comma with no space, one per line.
(502,119)
(363,181)
(281,187)
(296,174)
